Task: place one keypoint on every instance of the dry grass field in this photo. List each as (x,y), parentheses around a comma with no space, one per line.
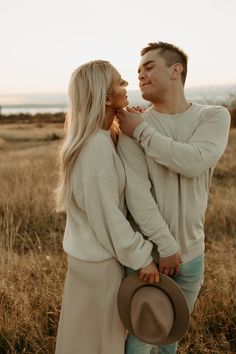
(32,263)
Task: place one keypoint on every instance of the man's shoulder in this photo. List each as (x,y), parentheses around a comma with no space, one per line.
(212,112)
(204,108)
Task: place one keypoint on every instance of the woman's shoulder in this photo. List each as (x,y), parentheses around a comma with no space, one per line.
(98,146)
(100,138)
(97,155)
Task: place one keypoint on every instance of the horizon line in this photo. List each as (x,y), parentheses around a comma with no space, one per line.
(131,89)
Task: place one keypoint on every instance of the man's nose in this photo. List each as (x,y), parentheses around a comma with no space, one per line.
(141,75)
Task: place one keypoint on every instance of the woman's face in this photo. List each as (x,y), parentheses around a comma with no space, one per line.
(117,96)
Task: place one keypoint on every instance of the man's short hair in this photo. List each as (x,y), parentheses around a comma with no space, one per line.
(171,54)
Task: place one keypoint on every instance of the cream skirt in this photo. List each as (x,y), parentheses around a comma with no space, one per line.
(89,321)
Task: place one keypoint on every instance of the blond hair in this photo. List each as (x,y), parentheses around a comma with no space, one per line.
(87,92)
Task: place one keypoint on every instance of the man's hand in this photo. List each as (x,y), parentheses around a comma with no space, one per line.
(129,120)
(150,273)
(135,109)
(170,265)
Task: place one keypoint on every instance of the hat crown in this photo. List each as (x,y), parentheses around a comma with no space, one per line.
(152,314)
(178,313)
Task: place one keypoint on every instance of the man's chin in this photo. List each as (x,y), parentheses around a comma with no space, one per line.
(145,96)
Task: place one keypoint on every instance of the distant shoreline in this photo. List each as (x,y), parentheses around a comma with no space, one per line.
(55,103)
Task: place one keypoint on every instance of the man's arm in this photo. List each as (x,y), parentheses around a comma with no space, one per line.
(190,159)
(140,201)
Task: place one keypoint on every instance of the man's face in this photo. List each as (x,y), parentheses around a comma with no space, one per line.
(154,76)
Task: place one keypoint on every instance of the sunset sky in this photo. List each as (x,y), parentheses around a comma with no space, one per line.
(43,41)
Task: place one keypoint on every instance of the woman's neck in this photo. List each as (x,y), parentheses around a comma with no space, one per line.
(110,115)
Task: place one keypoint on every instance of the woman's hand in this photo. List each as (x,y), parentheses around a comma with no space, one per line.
(150,273)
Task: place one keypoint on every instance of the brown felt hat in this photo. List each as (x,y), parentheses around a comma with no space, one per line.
(157,313)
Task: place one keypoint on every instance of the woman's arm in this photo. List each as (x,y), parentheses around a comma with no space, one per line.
(101,200)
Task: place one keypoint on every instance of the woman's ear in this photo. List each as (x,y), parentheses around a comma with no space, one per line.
(108,100)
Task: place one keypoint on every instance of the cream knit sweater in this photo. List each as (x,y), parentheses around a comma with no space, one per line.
(169,166)
(96,226)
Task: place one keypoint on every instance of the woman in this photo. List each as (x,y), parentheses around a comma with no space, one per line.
(98,238)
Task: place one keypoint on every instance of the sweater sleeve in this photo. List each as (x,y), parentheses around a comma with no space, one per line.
(194,157)
(140,200)
(101,200)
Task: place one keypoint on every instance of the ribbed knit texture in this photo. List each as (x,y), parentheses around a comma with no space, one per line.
(96,227)
(169,166)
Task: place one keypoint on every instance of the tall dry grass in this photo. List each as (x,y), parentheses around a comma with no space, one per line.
(33,265)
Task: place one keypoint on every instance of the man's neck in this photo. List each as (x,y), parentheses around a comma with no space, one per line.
(172,103)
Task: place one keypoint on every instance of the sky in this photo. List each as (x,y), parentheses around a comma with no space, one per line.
(43,41)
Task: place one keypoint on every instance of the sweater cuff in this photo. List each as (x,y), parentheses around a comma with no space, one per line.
(169,251)
(167,246)
(148,261)
(138,131)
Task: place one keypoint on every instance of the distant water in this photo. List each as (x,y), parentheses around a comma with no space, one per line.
(54,103)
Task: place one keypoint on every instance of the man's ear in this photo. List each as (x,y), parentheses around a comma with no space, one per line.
(177,70)
(108,100)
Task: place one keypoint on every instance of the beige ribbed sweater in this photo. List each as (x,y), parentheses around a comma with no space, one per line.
(96,226)
(169,166)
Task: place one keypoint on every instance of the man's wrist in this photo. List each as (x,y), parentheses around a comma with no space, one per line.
(138,130)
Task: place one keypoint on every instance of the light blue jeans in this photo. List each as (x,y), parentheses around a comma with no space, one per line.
(189,279)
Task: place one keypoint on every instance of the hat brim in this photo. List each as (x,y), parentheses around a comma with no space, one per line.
(181,310)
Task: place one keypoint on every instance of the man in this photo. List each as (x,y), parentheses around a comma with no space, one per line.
(169,153)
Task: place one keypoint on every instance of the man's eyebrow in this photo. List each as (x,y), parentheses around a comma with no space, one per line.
(145,64)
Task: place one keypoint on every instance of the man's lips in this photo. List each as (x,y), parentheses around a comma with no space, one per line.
(145,84)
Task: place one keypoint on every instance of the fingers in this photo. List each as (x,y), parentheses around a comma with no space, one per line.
(131,110)
(141,275)
(136,109)
(171,271)
(157,278)
(150,273)
(166,271)
(150,277)
(177,269)
(144,276)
